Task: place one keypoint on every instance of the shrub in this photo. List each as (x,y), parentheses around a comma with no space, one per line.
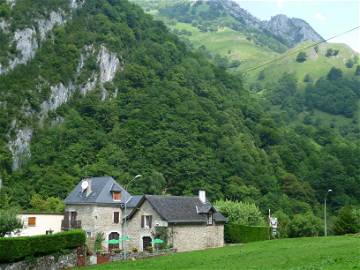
(346,221)
(17,248)
(357,71)
(334,74)
(99,238)
(236,233)
(301,57)
(9,222)
(241,213)
(303,225)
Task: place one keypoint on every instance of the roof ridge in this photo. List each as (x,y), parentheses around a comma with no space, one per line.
(172,196)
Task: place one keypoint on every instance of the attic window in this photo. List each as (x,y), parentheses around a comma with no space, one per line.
(210,219)
(116,196)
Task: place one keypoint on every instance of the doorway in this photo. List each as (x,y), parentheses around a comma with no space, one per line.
(115,236)
(147,243)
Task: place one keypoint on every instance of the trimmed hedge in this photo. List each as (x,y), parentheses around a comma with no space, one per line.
(17,248)
(236,233)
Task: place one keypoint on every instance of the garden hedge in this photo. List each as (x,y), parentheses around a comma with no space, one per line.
(236,233)
(17,248)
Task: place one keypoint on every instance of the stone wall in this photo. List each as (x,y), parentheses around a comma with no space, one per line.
(134,230)
(195,237)
(49,262)
(96,219)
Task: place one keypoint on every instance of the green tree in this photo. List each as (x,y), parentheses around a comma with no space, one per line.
(357,71)
(49,205)
(9,222)
(241,213)
(346,221)
(303,225)
(301,57)
(334,74)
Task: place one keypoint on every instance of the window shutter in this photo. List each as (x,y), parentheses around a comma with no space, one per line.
(32,221)
(150,221)
(142,221)
(116,217)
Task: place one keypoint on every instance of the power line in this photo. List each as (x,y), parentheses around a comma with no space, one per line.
(299,50)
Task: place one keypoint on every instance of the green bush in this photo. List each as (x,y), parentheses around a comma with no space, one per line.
(236,233)
(17,248)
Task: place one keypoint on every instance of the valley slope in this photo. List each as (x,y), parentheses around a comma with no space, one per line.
(107,90)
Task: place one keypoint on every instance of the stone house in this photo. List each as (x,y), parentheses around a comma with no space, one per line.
(98,205)
(190,223)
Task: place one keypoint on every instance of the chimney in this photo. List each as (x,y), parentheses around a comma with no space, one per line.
(202,196)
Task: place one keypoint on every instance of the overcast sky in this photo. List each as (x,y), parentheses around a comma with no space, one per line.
(327,17)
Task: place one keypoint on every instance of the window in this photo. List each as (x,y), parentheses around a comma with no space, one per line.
(116,217)
(116,196)
(210,218)
(31,221)
(146,222)
(73,215)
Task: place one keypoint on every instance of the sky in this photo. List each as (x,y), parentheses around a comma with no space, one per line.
(327,17)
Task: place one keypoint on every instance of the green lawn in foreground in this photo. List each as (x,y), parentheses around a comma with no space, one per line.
(292,254)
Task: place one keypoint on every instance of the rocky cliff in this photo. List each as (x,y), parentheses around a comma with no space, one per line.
(291,31)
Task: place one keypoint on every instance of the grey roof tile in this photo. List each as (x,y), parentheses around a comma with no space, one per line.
(180,209)
(101,188)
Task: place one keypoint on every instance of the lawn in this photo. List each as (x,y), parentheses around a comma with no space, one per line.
(292,254)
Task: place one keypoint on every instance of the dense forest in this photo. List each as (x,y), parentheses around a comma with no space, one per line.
(175,117)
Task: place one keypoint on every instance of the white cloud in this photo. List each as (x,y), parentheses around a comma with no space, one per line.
(320,17)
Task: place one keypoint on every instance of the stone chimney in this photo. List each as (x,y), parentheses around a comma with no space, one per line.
(202,196)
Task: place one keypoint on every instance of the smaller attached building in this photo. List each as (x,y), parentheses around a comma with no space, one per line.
(38,223)
(191,223)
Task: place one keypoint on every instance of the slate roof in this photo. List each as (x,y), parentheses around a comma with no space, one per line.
(134,201)
(101,188)
(180,209)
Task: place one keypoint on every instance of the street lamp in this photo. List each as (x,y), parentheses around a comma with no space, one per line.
(125,212)
(325,225)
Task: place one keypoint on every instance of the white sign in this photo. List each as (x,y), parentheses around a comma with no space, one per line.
(273,222)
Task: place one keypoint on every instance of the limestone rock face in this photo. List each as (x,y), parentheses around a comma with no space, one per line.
(109,64)
(26,45)
(20,146)
(45,26)
(59,95)
(291,30)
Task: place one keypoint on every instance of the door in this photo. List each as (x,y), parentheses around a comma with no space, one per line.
(113,235)
(147,243)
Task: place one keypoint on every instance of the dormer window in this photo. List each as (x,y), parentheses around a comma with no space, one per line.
(116,196)
(210,218)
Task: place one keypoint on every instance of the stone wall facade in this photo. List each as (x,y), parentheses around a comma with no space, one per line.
(134,230)
(195,237)
(49,262)
(182,237)
(96,218)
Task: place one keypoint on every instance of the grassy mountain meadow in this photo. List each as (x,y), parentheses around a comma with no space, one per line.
(108,90)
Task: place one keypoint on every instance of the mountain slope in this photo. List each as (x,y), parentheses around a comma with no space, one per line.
(113,92)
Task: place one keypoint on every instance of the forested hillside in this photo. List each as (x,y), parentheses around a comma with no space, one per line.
(110,91)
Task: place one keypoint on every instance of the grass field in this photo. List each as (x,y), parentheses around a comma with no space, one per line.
(329,253)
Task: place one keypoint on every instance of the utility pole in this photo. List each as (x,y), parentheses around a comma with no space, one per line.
(125,237)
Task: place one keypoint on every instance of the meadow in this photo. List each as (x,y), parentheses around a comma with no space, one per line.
(319,253)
